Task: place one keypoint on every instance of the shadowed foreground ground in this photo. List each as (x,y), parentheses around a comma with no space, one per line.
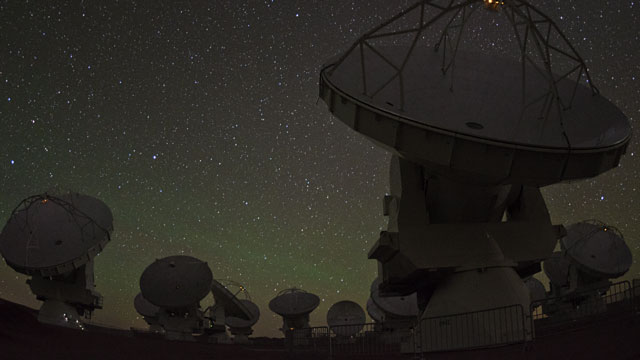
(23,337)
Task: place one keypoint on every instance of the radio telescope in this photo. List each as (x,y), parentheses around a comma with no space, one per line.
(228,305)
(376,314)
(176,284)
(54,240)
(398,312)
(474,135)
(239,327)
(149,313)
(597,250)
(592,254)
(294,305)
(346,318)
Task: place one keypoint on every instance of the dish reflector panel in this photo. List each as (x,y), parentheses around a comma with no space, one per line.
(144,307)
(294,302)
(254,315)
(597,248)
(346,318)
(176,281)
(232,305)
(397,306)
(53,235)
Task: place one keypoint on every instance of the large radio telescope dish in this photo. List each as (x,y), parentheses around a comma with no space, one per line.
(597,249)
(392,87)
(176,281)
(346,318)
(473,137)
(52,235)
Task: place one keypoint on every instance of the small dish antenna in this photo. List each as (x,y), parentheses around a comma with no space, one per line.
(375,312)
(241,328)
(592,254)
(144,307)
(597,249)
(395,307)
(176,284)
(294,305)
(230,301)
(392,312)
(148,311)
(228,296)
(54,240)
(346,318)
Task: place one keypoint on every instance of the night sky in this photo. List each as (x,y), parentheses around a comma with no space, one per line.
(197,123)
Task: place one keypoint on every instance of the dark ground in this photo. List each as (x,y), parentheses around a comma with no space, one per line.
(23,337)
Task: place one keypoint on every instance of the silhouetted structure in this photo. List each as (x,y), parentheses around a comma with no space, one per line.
(54,240)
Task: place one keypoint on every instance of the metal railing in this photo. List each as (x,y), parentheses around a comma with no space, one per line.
(492,327)
(367,338)
(479,329)
(314,339)
(370,338)
(635,291)
(552,315)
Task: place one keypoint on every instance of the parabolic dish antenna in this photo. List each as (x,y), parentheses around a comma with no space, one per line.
(598,249)
(536,289)
(396,306)
(374,311)
(144,307)
(176,281)
(294,305)
(233,306)
(346,318)
(557,269)
(473,134)
(494,117)
(49,235)
(234,322)
(294,302)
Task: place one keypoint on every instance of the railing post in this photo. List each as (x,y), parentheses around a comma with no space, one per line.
(330,344)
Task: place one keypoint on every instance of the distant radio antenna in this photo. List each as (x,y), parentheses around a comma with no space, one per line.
(54,239)
(346,318)
(149,313)
(233,304)
(294,305)
(392,313)
(240,327)
(176,285)
(592,254)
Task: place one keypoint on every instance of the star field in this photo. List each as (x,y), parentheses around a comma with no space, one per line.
(198,124)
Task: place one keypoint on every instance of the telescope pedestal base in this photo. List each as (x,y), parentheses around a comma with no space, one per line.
(59,313)
(476,290)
